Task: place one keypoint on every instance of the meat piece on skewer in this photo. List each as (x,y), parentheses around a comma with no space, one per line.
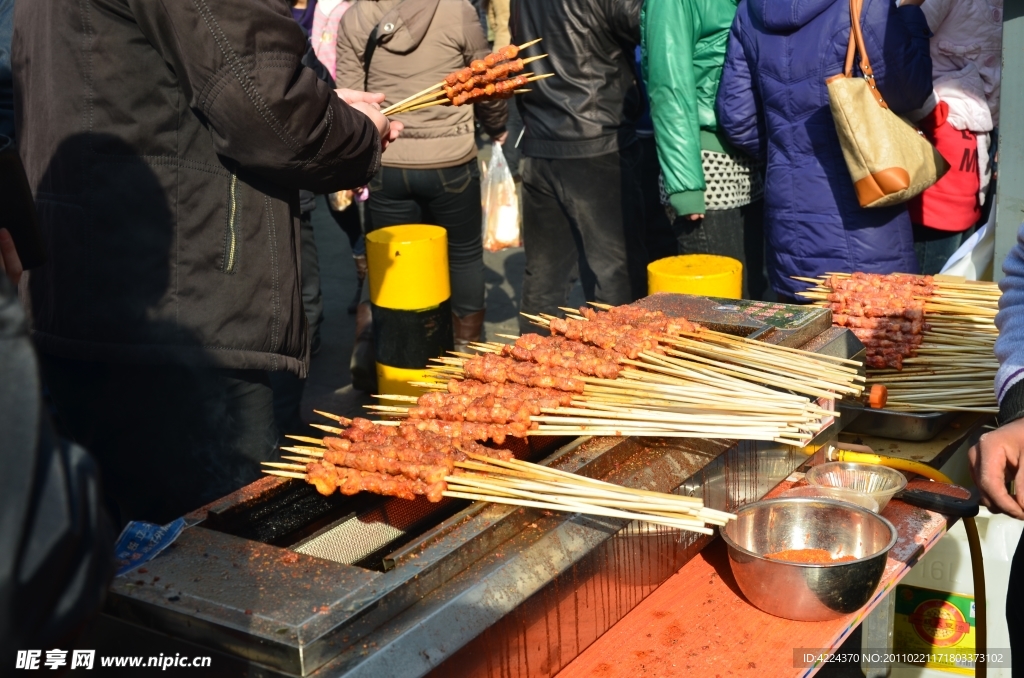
(485,409)
(379,462)
(561,352)
(472,431)
(494,368)
(322,477)
(627,330)
(886,312)
(482,65)
(352,481)
(506,52)
(476,389)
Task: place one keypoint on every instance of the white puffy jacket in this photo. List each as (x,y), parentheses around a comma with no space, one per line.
(966,54)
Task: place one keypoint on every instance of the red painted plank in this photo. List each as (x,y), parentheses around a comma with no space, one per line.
(698,623)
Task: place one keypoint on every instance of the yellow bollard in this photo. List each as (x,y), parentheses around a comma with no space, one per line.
(409,291)
(704,274)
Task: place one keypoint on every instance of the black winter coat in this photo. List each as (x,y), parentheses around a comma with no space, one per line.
(166,143)
(590,106)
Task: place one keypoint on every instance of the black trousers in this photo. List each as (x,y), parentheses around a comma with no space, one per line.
(584,215)
(1015,609)
(448,197)
(736,233)
(168,439)
(659,237)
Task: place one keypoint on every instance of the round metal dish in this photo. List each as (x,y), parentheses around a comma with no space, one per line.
(808,592)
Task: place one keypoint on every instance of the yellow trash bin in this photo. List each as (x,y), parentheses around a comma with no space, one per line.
(704,274)
(410,292)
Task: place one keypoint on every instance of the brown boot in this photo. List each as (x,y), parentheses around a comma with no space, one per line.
(467,329)
(363,364)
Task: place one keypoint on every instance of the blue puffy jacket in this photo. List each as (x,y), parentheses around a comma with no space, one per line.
(773,104)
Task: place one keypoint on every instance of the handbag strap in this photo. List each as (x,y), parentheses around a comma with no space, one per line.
(857,46)
(371,47)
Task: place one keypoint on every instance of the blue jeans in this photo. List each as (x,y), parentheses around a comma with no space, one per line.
(934,248)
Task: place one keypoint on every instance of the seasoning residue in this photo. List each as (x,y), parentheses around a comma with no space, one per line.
(811,556)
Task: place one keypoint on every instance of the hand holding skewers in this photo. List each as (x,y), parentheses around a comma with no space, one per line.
(368,103)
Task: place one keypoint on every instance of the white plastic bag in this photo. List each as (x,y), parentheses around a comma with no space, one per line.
(974,259)
(500,204)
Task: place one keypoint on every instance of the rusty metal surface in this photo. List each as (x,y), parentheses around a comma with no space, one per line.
(260,601)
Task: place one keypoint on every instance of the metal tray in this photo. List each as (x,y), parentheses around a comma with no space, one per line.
(912,426)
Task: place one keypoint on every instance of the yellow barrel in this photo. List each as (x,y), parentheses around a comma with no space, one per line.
(704,274)
(409,291)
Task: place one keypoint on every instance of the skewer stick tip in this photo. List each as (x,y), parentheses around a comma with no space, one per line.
(328,429)
(307,439)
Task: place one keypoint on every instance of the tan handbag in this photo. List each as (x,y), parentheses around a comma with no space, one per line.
(890,161)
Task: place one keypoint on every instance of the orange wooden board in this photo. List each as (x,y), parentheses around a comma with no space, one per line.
(698,623)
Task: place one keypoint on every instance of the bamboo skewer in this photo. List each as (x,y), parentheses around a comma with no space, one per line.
(954,367)
(396,106)
(523,484)
(447,102)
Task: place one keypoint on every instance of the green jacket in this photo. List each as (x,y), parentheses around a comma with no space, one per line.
(684,44)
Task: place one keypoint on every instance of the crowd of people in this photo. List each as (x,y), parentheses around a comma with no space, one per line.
(175,151)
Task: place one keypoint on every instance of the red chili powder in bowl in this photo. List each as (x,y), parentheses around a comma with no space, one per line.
(812,556)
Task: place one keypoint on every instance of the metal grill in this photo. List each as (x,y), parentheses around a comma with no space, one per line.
(354,538)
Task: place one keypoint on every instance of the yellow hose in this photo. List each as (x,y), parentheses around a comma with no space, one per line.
(973,540)
(892,462)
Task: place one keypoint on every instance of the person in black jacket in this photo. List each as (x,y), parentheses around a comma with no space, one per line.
(582,199)
(166,176)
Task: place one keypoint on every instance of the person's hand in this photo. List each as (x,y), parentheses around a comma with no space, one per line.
(10,262)
(389,129)
(995,460)
(354,96)
(693,217)
(501,138)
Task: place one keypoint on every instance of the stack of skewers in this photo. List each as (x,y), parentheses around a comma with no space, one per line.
(403,461)
(497,76)
(616,371)
(629,372)
(930,339)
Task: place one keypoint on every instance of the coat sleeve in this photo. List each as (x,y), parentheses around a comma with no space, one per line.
(668,31)
(348,68)
(900,35)
(1010,344)
(497,16)
(624,22)
(936,11)
(492,114)
(238,63)
(738,106)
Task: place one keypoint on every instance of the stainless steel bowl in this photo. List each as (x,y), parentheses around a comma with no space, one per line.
(808,592)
